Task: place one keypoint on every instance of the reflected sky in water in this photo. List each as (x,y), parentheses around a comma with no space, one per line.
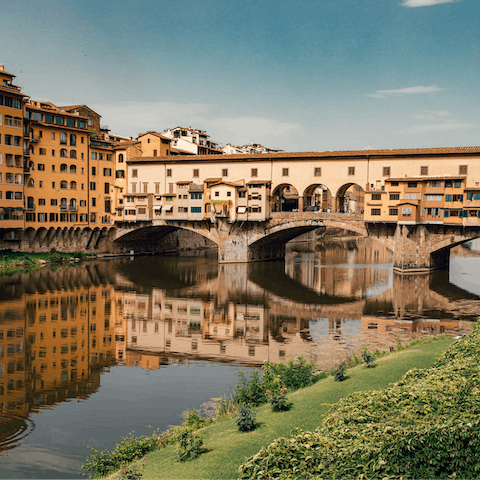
(90,352)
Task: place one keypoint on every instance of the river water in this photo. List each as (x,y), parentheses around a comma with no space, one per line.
(90,352)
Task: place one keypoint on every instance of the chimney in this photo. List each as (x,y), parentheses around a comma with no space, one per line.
(2,67)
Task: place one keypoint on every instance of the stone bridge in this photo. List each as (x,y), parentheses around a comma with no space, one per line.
(416,248)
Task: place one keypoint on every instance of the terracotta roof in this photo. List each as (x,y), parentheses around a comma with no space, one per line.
(342,154)
(214,179)
(73,107)
(262,182)
(184,182)
(426,177)
(194,187)
(179,151)
(156,134)
(477,189)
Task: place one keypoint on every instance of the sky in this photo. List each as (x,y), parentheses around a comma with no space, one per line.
(297,76)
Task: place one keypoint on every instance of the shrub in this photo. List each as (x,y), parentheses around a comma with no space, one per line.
(339,373)
(296,373)
(368,359)
(194,420)
(425,426)
(246,419)
(278,399)
(250,389)
(189,444)
(132,471)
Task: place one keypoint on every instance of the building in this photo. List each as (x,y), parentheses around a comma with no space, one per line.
(12,113)
(247,149)
(190,141)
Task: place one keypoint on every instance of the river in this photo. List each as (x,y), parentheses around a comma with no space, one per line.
(90,352)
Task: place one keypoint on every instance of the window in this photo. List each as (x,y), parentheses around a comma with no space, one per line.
(73,138)
(169,172)
(63,167)
(93,186)
(154,151)
(8,140)
(195,196)
(106,188)
(107,172)
(100,156)
(394,184)
(120,174)
(63,138)
(63,184)
(53,202)
(225,172)
(457,184)
(196,209)
(463,169)
(435,183)
(412,184)
(63,152)
(134,173)
(145,187)
(448,183)
(376,196)
(73,154)
(217,194)
(94,170)
(254,172)
(94,202)
(284,172)
(406,212)
(394,196)
(134,188)
(351,170)
(386,171)
(94,155)
(73,169)
(43,151)
(120,157)
(317,171)
(423,170)
(196,172)
(53,153)
(393,211)
(73,185)
(376,211)
(434,198)
(41,201)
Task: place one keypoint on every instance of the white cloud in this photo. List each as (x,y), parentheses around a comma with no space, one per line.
(431,114)
(425,3)
(440,127)
(404,91)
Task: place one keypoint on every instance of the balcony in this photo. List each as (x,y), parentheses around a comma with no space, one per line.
(30,208)
(63,208)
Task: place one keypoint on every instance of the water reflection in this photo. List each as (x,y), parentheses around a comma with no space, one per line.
(60,331)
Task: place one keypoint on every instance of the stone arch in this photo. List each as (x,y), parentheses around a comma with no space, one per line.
(317,197)
(350,198)
(285,198)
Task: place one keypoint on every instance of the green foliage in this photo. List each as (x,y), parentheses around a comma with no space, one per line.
(225,407)
(101,462)
(249,389)
(194,420)
(278,399)
(368,359)
(189,444)
(132,471)
(296,373)
(425,426)
(339,372)
(246,418)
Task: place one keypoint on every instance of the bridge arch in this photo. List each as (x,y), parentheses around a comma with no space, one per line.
(285,198)
(350,198)
(317,197)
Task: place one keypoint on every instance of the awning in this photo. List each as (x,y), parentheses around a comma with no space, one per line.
(169,208)
(242,209)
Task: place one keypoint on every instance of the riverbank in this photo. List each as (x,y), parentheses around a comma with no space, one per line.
(14,260)
(227,448)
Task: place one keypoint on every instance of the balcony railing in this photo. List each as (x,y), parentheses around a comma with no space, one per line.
(63,208)
(30,208)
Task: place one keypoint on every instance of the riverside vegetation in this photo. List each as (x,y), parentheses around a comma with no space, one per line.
(365,435)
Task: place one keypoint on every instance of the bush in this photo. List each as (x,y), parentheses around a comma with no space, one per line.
(250,389)
(278,399)
(296,373)
(194,420)
(189,444)
(131,471)
(425,426)
(368,359)
(339,373)
(246,419)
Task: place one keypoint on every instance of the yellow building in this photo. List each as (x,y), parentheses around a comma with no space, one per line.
(56,187)
(12,112)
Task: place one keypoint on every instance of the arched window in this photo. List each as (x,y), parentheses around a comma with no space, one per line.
(93,218)
(73,204)
(73,169)
(64,184)
(73,185)
(63,138)
(63,167)
(63,152)
(63,204)
(31,165)
(73,154)
(31,149)
(30,183)
(120,158)
(73,139)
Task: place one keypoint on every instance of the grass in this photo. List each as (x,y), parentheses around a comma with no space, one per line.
(9,259)
(227,448)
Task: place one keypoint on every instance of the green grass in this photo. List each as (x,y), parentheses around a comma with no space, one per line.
(227,448)
(28,259)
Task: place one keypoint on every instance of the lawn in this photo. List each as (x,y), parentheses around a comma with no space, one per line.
(227,448)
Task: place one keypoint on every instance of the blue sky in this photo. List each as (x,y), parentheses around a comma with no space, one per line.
(298,76)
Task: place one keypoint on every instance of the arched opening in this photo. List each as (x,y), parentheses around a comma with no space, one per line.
(285,198)
(317,198)
(350,198)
